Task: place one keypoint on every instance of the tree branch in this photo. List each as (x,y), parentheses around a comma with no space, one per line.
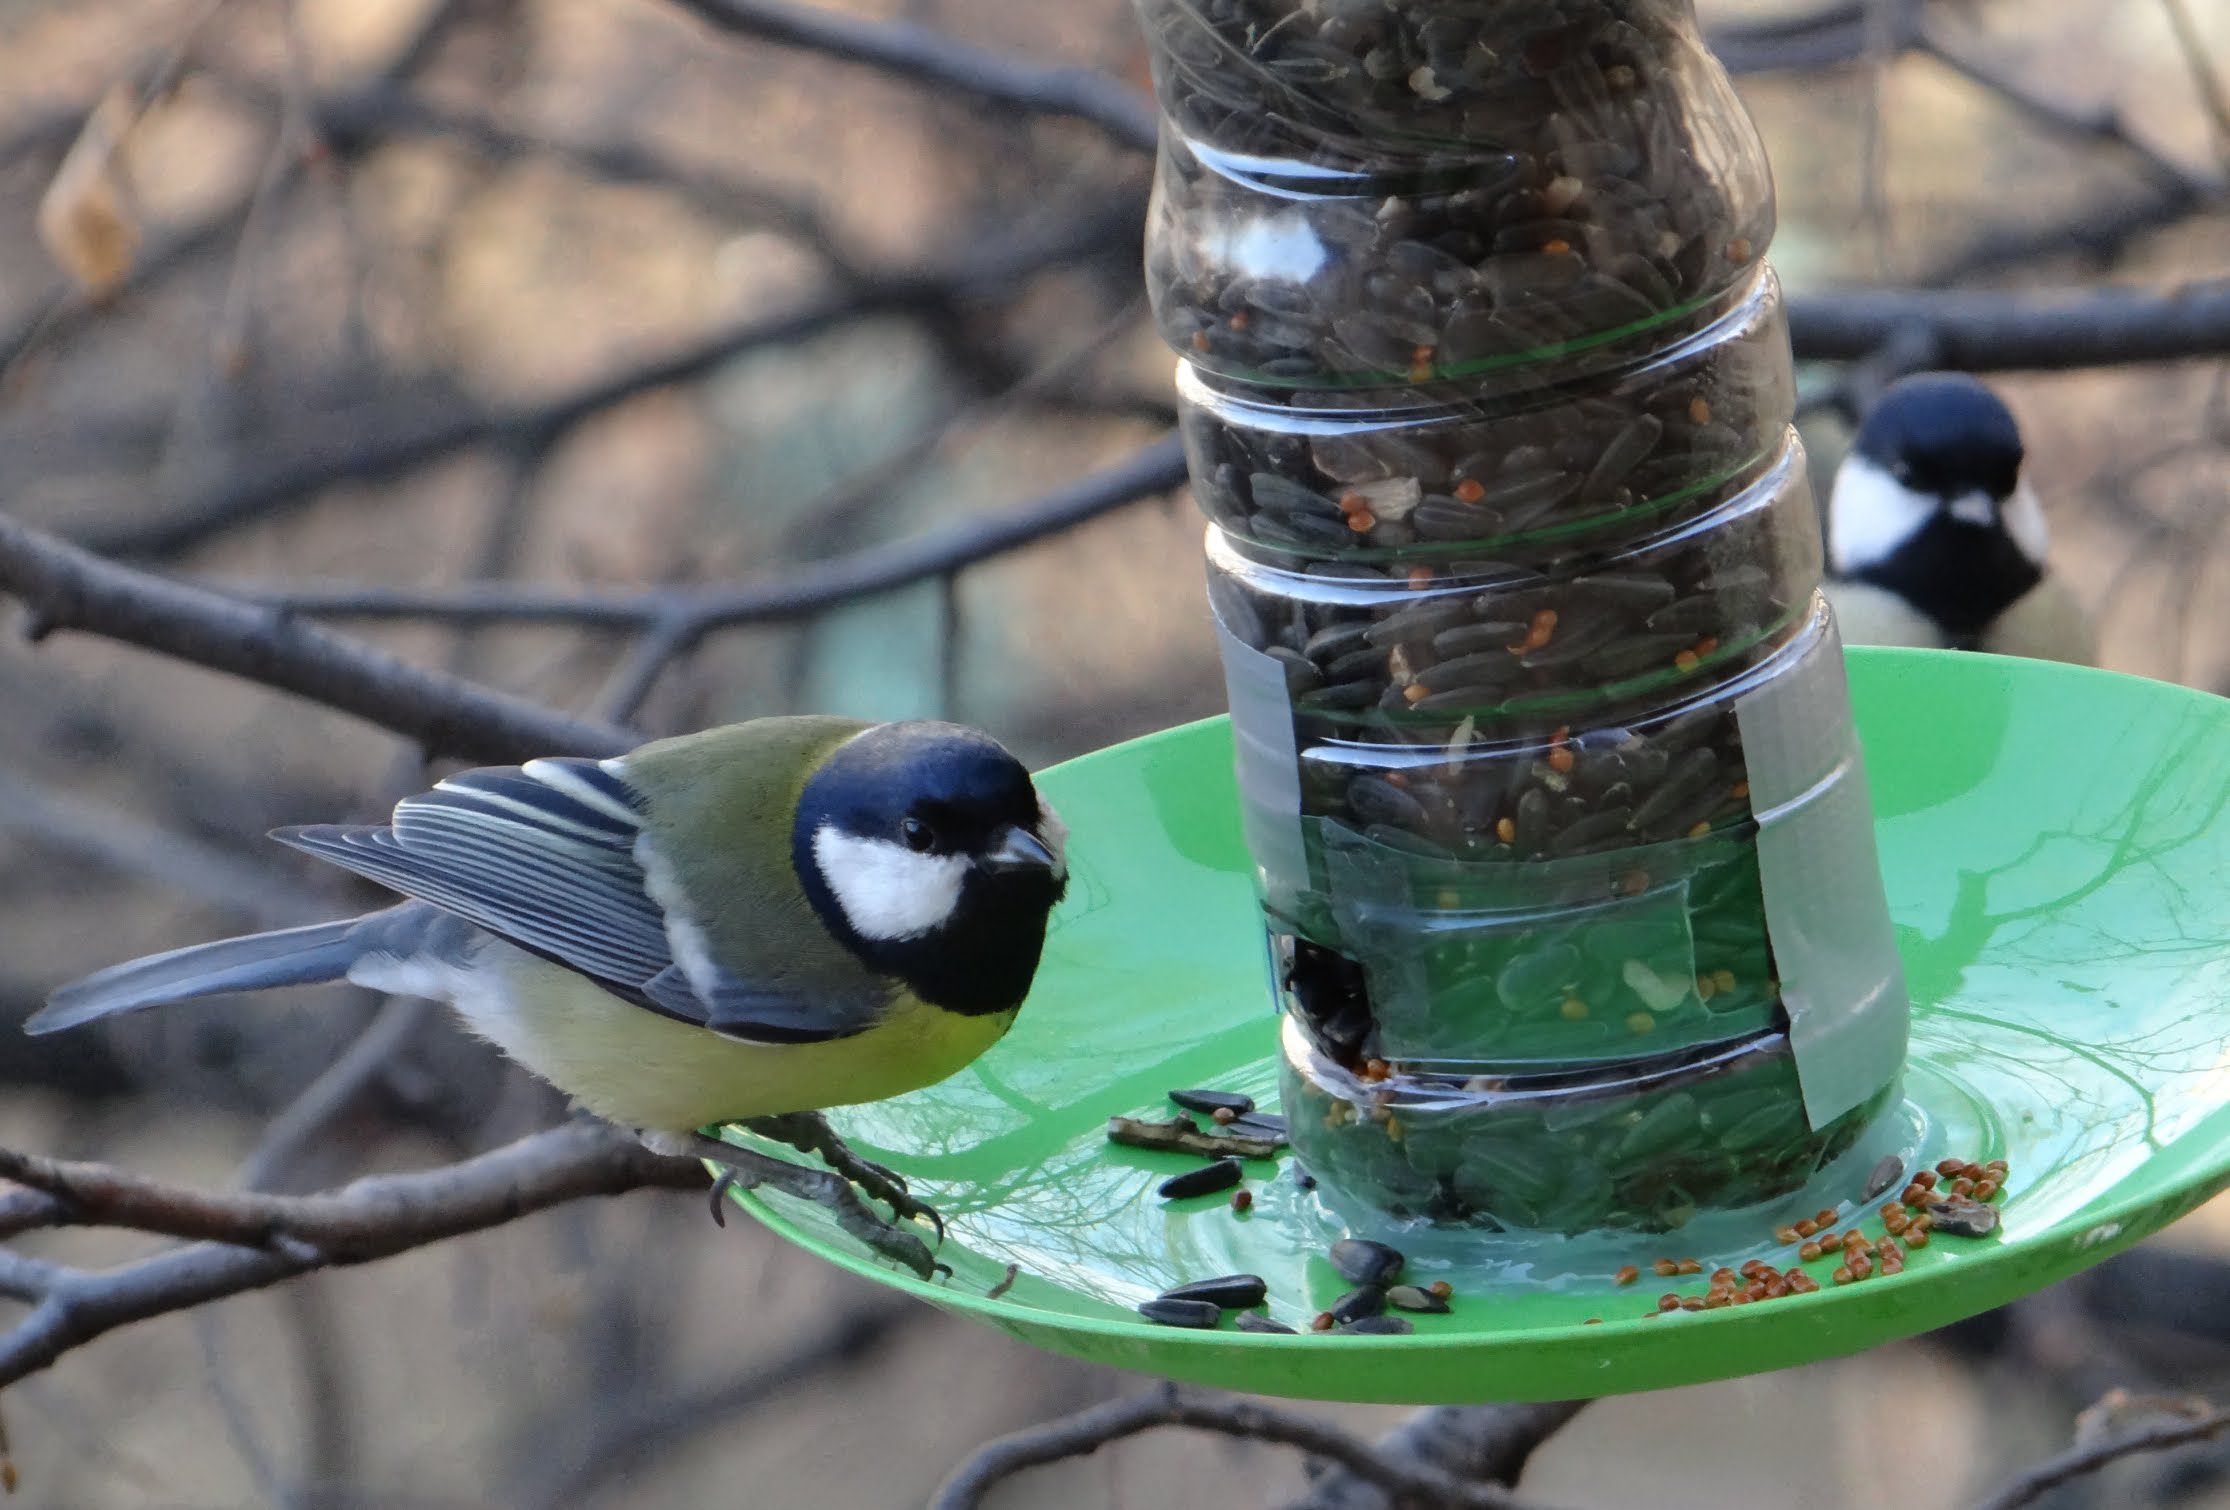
(2034,1483)
(1089,1430)
(1479,1444)
(1978,331)
(67,588)
(793,593)
(636,1430)
(249,1241)
(922,55)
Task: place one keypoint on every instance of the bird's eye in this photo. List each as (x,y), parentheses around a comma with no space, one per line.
(917,834)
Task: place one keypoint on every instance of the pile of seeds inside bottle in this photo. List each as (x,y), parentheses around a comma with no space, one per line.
(1487,393)
(1361,189)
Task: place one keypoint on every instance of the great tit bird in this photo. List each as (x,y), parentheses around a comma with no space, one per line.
(747,924)
(1934,539)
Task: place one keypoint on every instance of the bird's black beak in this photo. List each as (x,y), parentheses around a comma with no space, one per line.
(1019,849)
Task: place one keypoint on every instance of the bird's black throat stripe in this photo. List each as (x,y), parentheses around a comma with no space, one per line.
(1963,576)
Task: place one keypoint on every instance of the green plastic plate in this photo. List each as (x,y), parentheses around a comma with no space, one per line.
(2057,847)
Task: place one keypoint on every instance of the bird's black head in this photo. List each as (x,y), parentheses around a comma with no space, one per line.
(1944,435)
(925,848)
(1930,505)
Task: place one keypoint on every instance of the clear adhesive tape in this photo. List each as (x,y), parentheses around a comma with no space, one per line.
(1826,912)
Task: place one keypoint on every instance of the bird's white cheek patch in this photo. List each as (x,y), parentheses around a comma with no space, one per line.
(1870,516)
(2024,521)
(887,891)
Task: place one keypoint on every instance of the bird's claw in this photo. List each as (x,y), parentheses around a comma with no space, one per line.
(722,1183)
(809,1132)
(831,1191)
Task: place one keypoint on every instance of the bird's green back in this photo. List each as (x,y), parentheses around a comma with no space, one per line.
(722,807)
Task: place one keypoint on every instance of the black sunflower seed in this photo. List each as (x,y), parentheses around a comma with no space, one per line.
(1207,1102)
(1208,1179)
(1199,1315)
(1363,1262)
(1233,1292)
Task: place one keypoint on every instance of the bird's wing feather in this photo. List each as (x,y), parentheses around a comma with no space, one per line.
(544,855)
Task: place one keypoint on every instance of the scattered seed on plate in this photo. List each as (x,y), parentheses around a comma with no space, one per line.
(1363,1300)
(1255,1321)
(1234,1292)
(1363,1262)
(1179,1135)
(1375,1326)
(1208,1179)
(1961,1216)
(1209,1102)
(1242,1200)
(1199,1315)
(1410,1298)
(1884,1178)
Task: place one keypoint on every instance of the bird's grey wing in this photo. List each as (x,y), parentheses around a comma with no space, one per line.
(544,855)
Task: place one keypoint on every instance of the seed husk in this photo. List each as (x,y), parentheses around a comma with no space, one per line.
(1363,1300)
(1234,1292)
(1962,1216)
(1410,1298)
(1180,1135)
(1207,1102)
(1363,1262)
(1198,1315)
(1884,1178)
(1208,1179)
(1255,1321)
(1376,1326)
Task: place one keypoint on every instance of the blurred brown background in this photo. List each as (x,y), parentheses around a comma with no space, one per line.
(349,223)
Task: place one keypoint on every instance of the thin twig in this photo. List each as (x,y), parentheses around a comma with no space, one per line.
(796,592)
(247,1241)
(294,479)
(2034,1483)
(1475,1443)
(922,55)
(2206,79)
(67,588)
(1089,1430)
(639,1430)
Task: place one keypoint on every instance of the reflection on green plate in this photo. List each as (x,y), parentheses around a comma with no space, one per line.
(2057,848)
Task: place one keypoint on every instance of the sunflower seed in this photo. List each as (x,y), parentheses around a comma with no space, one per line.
(1208,1179)
(1363,1262)
(1234,1292)
(1198,1315)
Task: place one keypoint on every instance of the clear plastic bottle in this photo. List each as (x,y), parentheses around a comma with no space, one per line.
(1487,394)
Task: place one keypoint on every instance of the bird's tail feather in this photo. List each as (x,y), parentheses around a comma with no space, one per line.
(289,957)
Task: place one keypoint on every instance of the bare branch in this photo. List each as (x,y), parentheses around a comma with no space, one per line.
(1476,1443)
(67,588)
(639,1430)
(2034,1483)
(2103,124)
(686,614)
(292,480)
(1089,1430)
(923,55)
(1978,331)
(251,1240)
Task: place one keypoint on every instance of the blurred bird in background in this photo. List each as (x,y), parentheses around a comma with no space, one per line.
(1935,540)
(743,925)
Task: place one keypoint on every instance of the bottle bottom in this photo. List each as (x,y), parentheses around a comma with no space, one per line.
(1641,1146)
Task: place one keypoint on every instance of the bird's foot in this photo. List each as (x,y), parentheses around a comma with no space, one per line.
(831,1191)
(809,1132)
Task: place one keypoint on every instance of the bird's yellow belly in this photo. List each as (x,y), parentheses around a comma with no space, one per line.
(643,1070)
